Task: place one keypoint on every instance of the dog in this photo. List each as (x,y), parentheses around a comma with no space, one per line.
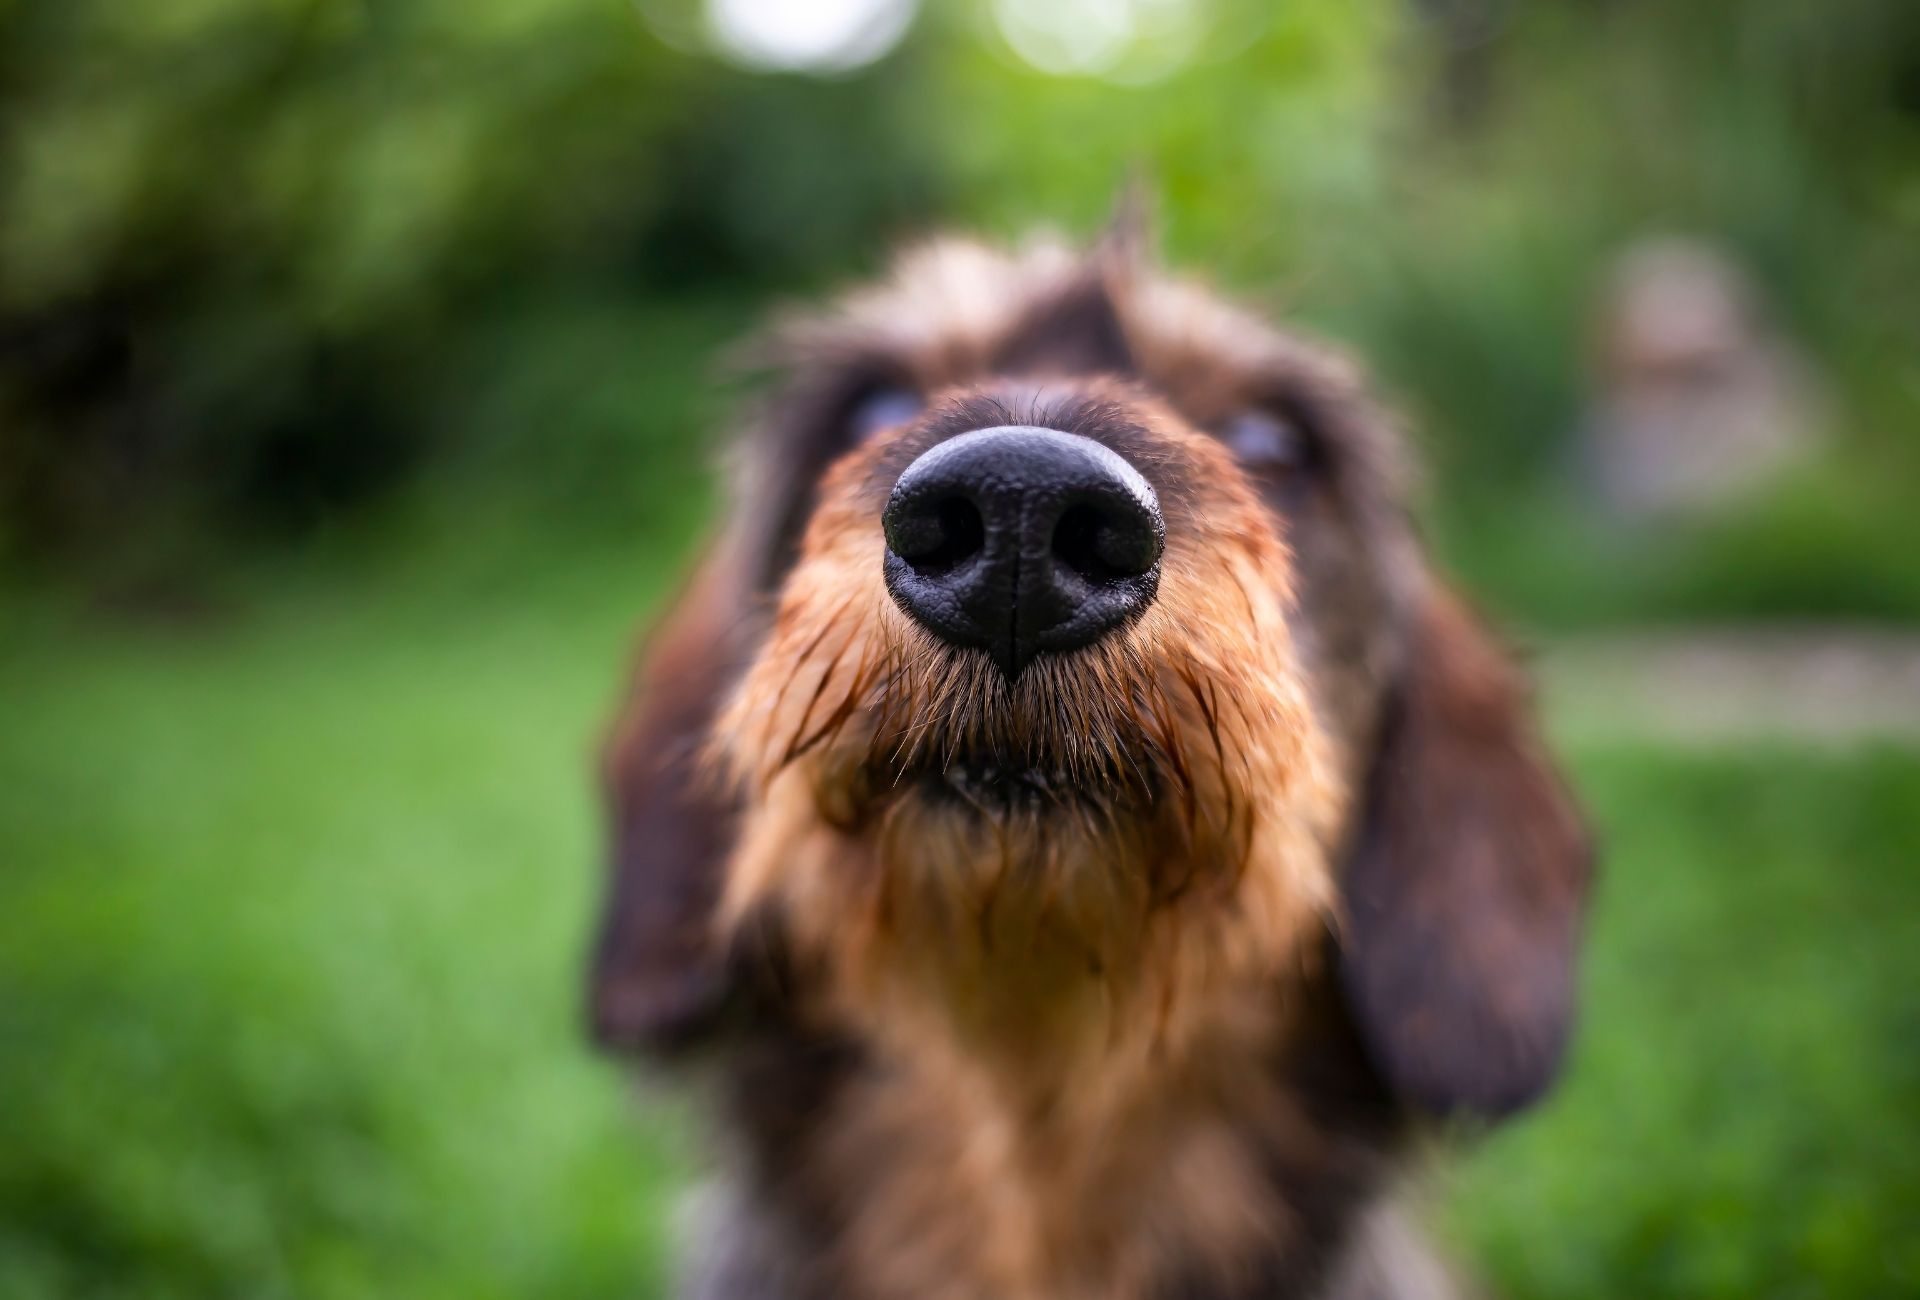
(1083,845)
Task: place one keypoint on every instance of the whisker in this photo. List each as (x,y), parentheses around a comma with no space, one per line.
(793,747)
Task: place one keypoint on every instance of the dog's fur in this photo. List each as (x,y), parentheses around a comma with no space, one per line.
(1297,879)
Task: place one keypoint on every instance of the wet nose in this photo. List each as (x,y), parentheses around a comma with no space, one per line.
(1020,540)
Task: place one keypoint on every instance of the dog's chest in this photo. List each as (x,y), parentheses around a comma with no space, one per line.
(1103,1190)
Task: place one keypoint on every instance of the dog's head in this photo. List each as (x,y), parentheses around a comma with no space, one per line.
(1069,652)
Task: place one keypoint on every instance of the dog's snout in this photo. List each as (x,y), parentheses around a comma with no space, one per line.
(1019,540)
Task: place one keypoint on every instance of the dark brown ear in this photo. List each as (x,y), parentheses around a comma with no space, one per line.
(658,980)
(1466,884)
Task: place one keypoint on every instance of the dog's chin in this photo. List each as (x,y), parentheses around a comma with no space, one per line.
(997,786)
(1040,880)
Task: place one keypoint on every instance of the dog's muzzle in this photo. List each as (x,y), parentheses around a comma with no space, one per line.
(1020,541)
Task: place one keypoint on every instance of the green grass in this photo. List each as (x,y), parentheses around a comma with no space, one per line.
(291,912)
(290,920)
(1738,1117)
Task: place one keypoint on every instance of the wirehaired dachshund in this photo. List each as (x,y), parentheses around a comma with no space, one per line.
(1079,841)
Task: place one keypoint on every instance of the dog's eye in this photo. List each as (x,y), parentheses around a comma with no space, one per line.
(1268,441)
(881,409)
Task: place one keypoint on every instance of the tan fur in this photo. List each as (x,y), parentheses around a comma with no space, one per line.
(1284,871)
(1075,1002)
(940,311)
(976,1193)
(947,303)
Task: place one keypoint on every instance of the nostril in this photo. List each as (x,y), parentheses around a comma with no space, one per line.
(1102,544)
(939,536)
(1076,543)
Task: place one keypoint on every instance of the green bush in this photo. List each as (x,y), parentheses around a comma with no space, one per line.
(272,270)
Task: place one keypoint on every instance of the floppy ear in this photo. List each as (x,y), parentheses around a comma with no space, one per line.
(1466,883)
(658,978)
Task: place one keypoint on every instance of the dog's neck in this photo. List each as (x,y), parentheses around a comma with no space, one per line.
(1088,1167)
(1067,1053)
(1045,988)
(1041,956)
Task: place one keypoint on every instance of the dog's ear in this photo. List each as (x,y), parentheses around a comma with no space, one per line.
(658,978)
(1468,876)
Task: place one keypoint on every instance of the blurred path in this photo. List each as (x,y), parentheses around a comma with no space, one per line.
(1834,685)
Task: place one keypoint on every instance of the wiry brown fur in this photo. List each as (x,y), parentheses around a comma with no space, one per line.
(1204,849)
(1107,1041)
(1047,979)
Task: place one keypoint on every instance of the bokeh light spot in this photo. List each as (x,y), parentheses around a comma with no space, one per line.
(1127,40)
(818,36)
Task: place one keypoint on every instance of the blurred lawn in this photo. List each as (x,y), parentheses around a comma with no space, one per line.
(291,909)
(289,925)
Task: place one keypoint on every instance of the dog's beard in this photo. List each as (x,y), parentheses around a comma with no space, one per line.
(1061,859)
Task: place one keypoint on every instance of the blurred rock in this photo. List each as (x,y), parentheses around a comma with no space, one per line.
(1696,399)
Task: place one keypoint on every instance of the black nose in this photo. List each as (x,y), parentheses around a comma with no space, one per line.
(1018,540)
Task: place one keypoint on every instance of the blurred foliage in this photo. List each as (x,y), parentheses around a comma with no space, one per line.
(272,266)
(289,947)
(263,261)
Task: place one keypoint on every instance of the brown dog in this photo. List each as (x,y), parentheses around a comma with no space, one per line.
(1084,838)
